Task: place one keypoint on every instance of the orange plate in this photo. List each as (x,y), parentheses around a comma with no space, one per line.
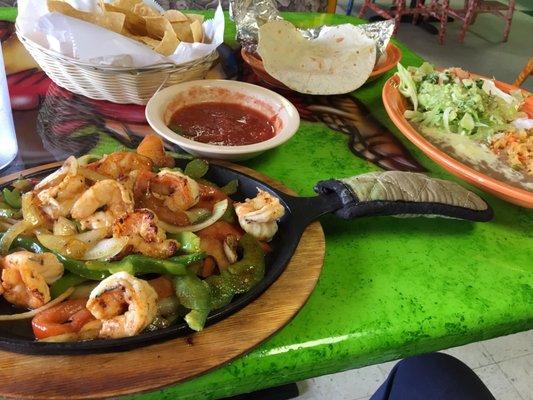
(396,104)
(256,63)
(394,55)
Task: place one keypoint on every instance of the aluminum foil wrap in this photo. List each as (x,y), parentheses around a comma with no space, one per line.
(380,32)
(248,16)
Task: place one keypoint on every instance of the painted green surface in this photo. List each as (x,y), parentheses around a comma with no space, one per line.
(390,287)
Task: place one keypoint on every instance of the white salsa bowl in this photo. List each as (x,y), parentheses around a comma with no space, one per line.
(274,107)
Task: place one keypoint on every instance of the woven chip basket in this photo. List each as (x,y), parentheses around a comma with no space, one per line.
(116,84)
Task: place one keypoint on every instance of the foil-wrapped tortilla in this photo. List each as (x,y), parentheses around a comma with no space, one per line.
(338,61)
(250,15)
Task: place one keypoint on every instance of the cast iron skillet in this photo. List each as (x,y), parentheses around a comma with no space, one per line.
(334,196)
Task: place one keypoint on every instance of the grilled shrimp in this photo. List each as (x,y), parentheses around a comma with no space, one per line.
(152,147)
(144,233)
(258,216)
(108,193)
(177,190)
(57,192)
(122,166)
(26,276)
(168,194)
(125,305)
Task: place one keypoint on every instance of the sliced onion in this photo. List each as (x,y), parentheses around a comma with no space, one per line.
(40,231)
(92,236)
(218,211)
(56,243)
(197,214)
(29,211)
(106,249)
(92,175)
(88,158)
(74,246)
(11,234)
(60,242)
(64,227)
(33,313)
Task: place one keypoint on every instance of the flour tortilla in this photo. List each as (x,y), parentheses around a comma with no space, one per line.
(339,61)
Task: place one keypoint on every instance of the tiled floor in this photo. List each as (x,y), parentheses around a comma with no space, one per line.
(504,364)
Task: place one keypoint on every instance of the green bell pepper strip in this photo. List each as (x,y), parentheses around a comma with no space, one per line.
(189,241)
(196,168)
(230,187)
(188,259)
(196,319)
(180,156)
(66,281)
(239,277)
(136,264)
(76,267)
(202,296)
(229,215)
(194,294)
(12,197)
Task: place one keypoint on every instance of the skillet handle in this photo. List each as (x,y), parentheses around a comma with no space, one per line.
(404,194)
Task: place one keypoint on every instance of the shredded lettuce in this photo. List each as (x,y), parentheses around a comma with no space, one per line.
(446,102)
(407,86)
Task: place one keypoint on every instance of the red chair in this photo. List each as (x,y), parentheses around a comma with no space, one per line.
(396,11)
(440,10)
(526,72)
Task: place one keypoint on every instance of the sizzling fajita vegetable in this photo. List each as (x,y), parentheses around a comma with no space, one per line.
(109,247)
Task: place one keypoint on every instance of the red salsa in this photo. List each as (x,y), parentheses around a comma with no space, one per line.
(222,124)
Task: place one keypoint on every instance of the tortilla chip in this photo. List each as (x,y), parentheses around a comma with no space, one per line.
(145,10)
(183,31)
(175,16)
(101,4)
(66,9)
(157,26)
(126,4)
(197,31)
(153,43)
(133,23)
(195,17)
(109,20)
(168,45)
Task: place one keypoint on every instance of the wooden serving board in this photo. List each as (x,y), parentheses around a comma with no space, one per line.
(173,361)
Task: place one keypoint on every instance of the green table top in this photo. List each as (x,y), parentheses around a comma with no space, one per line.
(389,287)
